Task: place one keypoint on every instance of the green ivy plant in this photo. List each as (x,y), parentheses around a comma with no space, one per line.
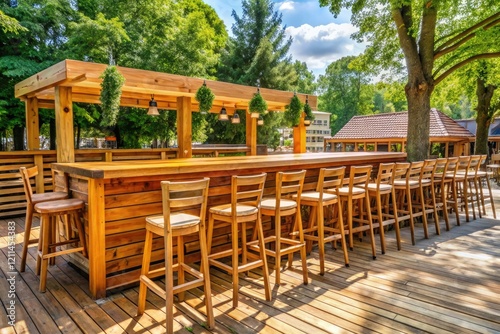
(293,111)
(205,98)
(308,111)
(112,82)
(257,104)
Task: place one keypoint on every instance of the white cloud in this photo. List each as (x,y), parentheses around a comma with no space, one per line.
(287,5)
(323,44)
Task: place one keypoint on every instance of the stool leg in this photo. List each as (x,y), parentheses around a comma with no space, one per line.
(143,288)
(265,270)
(46,221)
(181,277)
(234,260)
(205,269)
(396,220)
(343,242)
(321,238)
(491,197)
(169,281)
(27,232)
(81,232)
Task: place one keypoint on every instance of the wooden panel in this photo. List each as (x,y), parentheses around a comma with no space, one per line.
(32,126)
(64,124)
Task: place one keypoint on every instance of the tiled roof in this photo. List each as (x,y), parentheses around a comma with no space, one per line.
(395,125)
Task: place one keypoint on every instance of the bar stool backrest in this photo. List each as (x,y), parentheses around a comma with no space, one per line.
(359,176)
(400,170)
(428,169)
(247,190)
(289,185)
(385,173)
(415,170)
(451,166)
(190,196)
(330,180)
(475,161)
(463,164)
(26,175)
(441,165)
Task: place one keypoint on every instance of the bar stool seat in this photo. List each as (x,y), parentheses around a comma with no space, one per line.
(31,200)
(49,211)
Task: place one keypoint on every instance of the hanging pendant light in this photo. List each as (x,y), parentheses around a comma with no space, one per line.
(236,118)
(153,107)
(223,115)
(260,121)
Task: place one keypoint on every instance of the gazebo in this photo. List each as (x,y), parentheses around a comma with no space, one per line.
(68,81)
(387,132)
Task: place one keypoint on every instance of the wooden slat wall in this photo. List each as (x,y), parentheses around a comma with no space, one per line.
(12,198)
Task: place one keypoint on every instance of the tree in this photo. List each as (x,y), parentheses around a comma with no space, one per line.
(344,92)
(433,37)
(258,52)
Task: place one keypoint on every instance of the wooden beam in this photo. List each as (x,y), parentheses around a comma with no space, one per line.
(299,137)
(65,139)
(96,241)
(251,133)
(184,127)
(49,77)
(32,124)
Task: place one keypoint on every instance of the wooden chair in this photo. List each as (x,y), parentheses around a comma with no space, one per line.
(483,177)
(246,195)
(31,200)
(384,197)
(410,201)
(285,203)
(69,210)
(325,196)
(462,176)
(440,189)
(448,187)
(428,193)
(184,209)
(354,193)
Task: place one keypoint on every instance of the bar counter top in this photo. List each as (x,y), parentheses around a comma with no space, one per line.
(115,169)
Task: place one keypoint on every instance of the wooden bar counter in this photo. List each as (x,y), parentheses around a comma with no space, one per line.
(119,195)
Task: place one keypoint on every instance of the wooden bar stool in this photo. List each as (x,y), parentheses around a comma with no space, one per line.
(246,195)
(462,186)
(384,196)
(325,196)
(285,203)
(184,209)
(409,198)
(355,195)
(31,200)
(428,193)
(448,187)
(69,210)
(482,176)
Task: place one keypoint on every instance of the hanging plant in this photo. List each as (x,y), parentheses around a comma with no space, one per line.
(293,111)
(308,111)
(205,98)
(112,82)
(257,105)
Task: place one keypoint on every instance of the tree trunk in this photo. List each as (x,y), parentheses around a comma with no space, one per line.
(18,134)
(483,119)
(419,106)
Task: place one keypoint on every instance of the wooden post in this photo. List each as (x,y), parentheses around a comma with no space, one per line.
(299,137)
(184,127)
(65,139)
(251,133)
(32,124)
(96,238)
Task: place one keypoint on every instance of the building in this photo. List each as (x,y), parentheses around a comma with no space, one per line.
(317,131)
(493,132)
(387,132)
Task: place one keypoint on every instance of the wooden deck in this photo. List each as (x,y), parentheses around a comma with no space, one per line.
(446,284)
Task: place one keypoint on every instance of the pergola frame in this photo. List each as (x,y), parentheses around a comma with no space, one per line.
(68,81)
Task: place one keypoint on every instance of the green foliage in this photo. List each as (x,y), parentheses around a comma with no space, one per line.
(345,92)
(10,25)
(112,82)
(308,111)
(257,104)
(293,111)
(205,98)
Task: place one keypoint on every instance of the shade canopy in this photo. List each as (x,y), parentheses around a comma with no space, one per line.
(83,78)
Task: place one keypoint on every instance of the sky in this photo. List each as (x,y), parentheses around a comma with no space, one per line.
(318,38)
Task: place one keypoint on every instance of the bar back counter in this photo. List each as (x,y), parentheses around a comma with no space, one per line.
(119,195)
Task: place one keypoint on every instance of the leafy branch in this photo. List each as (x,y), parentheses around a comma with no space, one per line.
(112,82)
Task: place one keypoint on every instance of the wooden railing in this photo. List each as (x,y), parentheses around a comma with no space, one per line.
(12,198)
